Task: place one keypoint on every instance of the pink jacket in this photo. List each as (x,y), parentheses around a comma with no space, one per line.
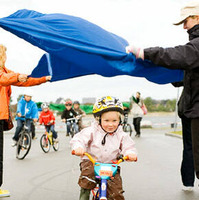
(90,140)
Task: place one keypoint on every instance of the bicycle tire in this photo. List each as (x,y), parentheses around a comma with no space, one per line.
(72,131)
(45,143)
(23,145)
(56,146)
(127,128)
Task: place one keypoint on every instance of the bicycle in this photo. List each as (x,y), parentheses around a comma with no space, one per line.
(73,123)
(24,142)
(47,141)
(103,172)
(126,126)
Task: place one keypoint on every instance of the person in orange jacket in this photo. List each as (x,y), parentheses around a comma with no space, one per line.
(48,119)
(8,78)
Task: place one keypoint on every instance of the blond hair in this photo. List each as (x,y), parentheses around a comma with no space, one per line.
(2,55)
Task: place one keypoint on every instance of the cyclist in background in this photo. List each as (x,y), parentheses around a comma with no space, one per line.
(28,108)
(48,119)
(80,112)
(67,114)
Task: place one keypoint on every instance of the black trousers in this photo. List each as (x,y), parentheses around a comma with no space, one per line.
(195,142)
(1,152)
(187,165)
(136,123)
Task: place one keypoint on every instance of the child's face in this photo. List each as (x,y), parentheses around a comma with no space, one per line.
(68,106)
(110,121)
(45,109)
(27,98)
(76,106)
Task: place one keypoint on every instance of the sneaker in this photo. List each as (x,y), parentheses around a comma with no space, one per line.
(55,140)
(4,193)
(187,188)
(14,144)
(34,138)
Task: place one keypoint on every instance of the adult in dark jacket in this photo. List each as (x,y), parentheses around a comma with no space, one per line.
(185,57)
(187,165)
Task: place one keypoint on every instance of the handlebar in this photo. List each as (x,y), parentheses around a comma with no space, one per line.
(94,161)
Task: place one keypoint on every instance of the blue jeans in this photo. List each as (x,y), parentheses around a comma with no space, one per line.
(20,124)
(68,125)
(51,128)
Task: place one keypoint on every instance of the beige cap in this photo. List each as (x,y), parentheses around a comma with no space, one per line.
(190,9)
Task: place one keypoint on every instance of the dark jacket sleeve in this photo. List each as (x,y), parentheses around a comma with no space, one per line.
(183,57)
(63,115)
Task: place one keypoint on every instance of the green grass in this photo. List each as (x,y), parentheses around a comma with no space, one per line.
(177,132)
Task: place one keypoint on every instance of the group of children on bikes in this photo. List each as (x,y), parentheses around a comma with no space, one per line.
(27,111)
(104,139)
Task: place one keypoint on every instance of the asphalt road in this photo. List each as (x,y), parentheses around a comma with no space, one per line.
(156,175)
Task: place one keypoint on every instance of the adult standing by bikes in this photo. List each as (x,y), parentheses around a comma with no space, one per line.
(8,78)
(137,112)
(80,113)
(26,111)
(183,57)
(67,114)
(187,164)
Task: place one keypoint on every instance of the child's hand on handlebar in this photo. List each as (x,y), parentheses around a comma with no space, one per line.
(132,157)
(79,151)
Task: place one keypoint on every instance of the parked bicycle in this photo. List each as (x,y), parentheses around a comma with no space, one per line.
(103,172)
(126,126)
(47,141)
(24,142)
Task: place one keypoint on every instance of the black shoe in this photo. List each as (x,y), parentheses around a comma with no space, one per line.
(67,134)
(137,135)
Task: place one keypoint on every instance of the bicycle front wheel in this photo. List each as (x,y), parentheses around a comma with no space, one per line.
(128,129)
(23,145)
(45,143)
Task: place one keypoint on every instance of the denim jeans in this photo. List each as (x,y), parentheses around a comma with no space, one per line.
(68,125)
(51,128)
(20,124)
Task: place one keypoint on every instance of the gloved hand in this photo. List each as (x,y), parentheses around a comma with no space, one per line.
(138,52)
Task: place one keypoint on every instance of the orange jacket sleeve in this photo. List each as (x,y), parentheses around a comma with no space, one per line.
(10,78)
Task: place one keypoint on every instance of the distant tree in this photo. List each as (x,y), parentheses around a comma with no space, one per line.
(19,97)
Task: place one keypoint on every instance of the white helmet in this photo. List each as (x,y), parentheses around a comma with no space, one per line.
(44,105)
(28,92)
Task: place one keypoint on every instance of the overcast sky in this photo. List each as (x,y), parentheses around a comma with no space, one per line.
(141,22)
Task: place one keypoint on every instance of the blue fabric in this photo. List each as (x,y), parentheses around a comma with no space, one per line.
(75,47)
(27,109)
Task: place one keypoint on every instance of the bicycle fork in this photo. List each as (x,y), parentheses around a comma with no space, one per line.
(103,189)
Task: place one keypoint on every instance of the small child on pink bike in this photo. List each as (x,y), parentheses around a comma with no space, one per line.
(104,140)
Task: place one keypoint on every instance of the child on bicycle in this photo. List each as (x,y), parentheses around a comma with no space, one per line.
(67,114)
(26,112)
(104,140)
(48,119)
(80,112)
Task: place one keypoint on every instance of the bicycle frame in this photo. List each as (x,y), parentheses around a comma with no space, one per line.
(47,141)
(104,172)
(49,137)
